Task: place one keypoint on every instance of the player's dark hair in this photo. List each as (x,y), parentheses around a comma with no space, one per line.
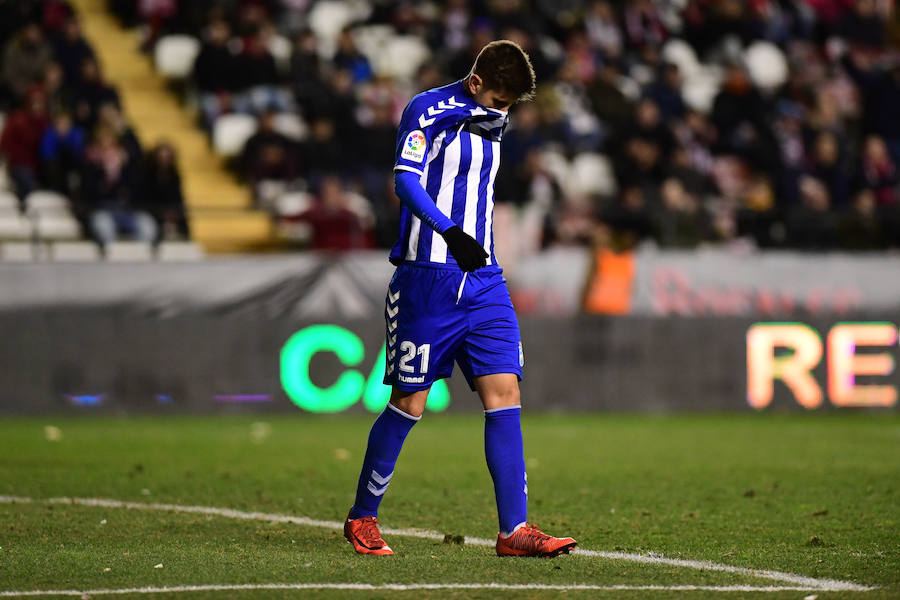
(504,66)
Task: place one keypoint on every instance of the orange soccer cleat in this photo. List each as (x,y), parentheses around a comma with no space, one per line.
(364,535)
(528,540)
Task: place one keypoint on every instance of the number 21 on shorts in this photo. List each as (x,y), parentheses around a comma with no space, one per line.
(408,353)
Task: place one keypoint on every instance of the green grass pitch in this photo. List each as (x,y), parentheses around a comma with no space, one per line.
(815,495)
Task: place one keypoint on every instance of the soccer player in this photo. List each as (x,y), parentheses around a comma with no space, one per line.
(447,301)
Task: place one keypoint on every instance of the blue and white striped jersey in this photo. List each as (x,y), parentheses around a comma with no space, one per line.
(453,145)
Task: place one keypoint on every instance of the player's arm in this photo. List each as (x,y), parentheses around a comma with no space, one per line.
(417,130)
(469,254)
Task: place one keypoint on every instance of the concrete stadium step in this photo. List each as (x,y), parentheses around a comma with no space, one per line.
(220,208)
(225,231)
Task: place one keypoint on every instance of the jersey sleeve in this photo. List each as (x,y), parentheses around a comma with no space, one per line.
(414,137)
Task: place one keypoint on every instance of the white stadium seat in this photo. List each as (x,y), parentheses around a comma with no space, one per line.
(6,183)
(557,165)
(179,252)
(592,173)
(403,57)
(290,125)
(14,226)
(129,252)
(8,201)
(699,91)
(680,53)
(74,252)
(45,200)
(57,225)
(17,252)
(373,39)
(231,132)
(293,203)
(361,206)
(766,65)
(174,55)
(328,18)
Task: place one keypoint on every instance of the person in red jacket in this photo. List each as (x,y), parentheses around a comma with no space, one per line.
(20,141)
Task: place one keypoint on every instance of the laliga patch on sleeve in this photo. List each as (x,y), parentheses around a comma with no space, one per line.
(414,146)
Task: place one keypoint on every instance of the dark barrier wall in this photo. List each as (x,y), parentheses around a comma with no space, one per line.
(117,360)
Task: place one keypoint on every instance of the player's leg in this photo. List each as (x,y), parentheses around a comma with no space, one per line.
(424,327)
(504,452)
(503,448)
(386,439)
(491,357)
(385,442)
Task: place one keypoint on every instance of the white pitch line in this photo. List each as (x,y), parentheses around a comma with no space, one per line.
(799,581)
(404,587)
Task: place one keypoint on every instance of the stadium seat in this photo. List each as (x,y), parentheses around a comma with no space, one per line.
(290,125)
(14,225)
(74,252)
(372,39)
(592,174)
(231,132)
(8,201)
(292,204)
(6,183)
(56,225)
(328,18)
(40,201)
(557,165)
(360,205)
(402,57)
(766,65)
(129,252)
(280,48)
(680,53)
(179,252)
(174,55)
(699,91)
(17,252)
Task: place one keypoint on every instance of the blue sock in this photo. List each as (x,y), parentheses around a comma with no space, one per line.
(385,441)
(506,462)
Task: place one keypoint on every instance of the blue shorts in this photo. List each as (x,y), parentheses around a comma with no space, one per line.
(436,315)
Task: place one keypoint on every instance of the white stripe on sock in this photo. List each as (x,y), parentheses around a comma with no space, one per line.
(400,412)
(505,535)
(493,410)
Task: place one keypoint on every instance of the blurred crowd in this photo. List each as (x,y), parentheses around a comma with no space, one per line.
(684,122)
(64,130)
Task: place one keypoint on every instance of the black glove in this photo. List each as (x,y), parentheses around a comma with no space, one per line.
(469,254)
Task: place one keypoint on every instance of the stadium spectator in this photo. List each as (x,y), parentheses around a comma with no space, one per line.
(21,139)
(323,153)
(810,225)
(861,227)
(828,167)
(214,70)
(62,154)
(259,77)
(666,91)
(878,171)
(349,58)
(162,194)
(268,158)
(25,59)
(109,193)
(305,70)
(680,222)
(70,49)
(333,224)
(90,92)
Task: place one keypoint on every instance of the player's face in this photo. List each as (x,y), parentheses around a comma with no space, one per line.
(489,98)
